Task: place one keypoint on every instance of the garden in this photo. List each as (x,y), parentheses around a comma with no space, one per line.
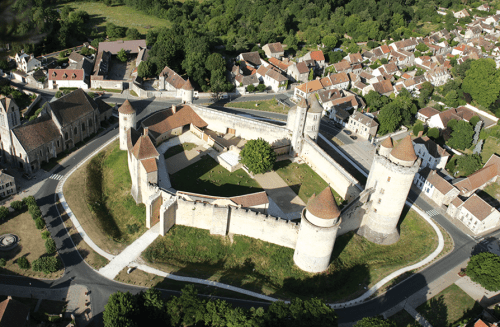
(356,263)
(99,195)
(35,255)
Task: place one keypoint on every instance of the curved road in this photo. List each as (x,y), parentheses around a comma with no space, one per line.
(78,272)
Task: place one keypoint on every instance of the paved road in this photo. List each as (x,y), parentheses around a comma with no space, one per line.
(79,273)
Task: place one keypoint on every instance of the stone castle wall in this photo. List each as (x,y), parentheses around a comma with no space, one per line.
(244,127)
(337,177)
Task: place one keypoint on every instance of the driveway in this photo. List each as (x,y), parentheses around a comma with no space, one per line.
(361,151)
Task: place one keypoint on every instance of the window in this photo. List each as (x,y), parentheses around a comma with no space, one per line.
(75,131)
(57,143)
(389,178)
(90,123)
(83,127)
(379,200)
(382,191)
(66,136)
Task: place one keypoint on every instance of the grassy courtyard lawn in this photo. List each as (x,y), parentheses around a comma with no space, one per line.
(31,246)
(265,105)
(490,146)
(493,190)
(302,180)
(123,220)
(206,176)
(449,307)
(119,15)
(404,319)
(93,258)
(268,268)
(178,149)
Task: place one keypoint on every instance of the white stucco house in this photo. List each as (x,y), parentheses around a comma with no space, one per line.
(432,155)
(475,213)
(436,187)
(363,125)
(67,78)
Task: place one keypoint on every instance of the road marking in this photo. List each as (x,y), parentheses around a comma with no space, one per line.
(432,213)
(56,177)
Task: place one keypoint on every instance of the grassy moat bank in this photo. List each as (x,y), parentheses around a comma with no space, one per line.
(263,267)
(116,220)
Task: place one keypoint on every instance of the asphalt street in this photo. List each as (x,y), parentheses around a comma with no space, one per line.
(78,272)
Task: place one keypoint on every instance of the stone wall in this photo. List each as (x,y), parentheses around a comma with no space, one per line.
(337,177)
(106,84)
(352,216)
(244,127)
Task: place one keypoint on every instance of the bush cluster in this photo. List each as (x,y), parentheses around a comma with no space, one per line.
(23,263)
(50,246)
(46,264)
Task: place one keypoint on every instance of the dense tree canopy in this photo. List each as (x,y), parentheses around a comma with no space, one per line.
(468,164)
(482,81)
(461,135)
(483,268)
(374,322)
(258,156)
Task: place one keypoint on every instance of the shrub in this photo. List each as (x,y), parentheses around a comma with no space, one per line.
(39,223)
(483,269)
(132,228)
(46,264)
(17,205)
(3,262)
(433,132)
(35,211)
(419,127)
(250,88)
(58,94)
(50,246)
(261,87)
(23,263)
(474,120)
(29,200)
(46,235)
(4,213)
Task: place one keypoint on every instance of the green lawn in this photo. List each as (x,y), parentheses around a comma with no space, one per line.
(266,105)
(449,307)
(303,180)
(490,146)
(264,267)
(179,149)
(404,319)
(208,177)
(119,15)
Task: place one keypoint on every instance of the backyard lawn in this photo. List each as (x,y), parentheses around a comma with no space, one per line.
(302,180)
(449,307)
(125,220)
(356,263)
(31,246)
(266,105)
(119,15)
(206,176)
(179,149)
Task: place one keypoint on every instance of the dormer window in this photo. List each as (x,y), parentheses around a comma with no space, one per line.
(73,76)
(65,75)
(54,74)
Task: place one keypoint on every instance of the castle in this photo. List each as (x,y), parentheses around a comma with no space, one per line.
(373,211)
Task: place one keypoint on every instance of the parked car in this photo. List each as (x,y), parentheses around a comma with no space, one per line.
(26,176)
(347,131)
(353,137)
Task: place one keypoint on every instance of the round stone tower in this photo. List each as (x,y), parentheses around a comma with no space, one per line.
(296,122)
(386,147)
(313,117)
(318,229)
(391,178)
(187,92)
(126,115)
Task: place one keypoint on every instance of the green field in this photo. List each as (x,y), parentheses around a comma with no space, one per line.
(356,263)
(450,307)
(265,105)
(119,15)
(208,177)
(303,180)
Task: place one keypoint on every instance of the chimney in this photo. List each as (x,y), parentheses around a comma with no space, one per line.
(9,297)
(146,131)
(174,109)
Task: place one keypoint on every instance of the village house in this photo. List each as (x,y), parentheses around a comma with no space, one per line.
(492,20)
(481,178)
(441,120)
(7,184)
(67,78)
(339,80)
(432,155)
(343,66)
(426,113)
(274,50)
(252,58)
(298,72)
(384,87)
(475,213)
(281,65)
(171,81)
(303,90)
(484,7)
(473,32)
(438,76)
(316,56)
(354,58)
(406,45)
(272,78)
(14,313)
(27,63)
(363,125)
(130,47)
(461,14)
(435,186)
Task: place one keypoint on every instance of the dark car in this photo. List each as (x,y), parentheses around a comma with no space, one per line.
(353,137)
(347,132)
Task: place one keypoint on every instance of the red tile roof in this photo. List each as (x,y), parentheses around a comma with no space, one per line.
(478,207)
(383,87)
(441,184)
(126,108)
(149,165)
(311,86)
(66,74)
(13,313)
(385,48)
(477,179)
(164,121)
(339,78)
(72,107)
(275,47)
(342,65)
(278,63)
(387,143)
(302,67)
(172,77)
(187,85)
(404,150)
(323,206)
(317,55)
(428,112)
(131,46)
(144,148)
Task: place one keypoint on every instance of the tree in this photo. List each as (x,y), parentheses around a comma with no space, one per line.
(114,31)
(461,136)
(461,70)
(50,246)
(374,322)
(23,263)
(474,120)
(330,41)
(422,47)
(4,213)
(17,205)
(482,81)
(45,235)
(258,156)
(394,114)
(39,223)
(146,69)
(187,309)
(250,88)
(46,264)
(468,164)
(433,133)
(419,127)
(133,34)
(311,75)
(261,87)
(4,64)
(483,269)
(122,55)
(451,98)
(120,310)
(452,123)
(215,62)
(58,94)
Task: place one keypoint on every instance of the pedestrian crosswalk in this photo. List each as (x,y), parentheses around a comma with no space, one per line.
(56,177)
(432,213)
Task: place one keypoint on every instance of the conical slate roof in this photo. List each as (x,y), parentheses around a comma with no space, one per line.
(187,86)
(404,150)
(126,108)
(314,103)
(387,143)
(324,206)
(302,103)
